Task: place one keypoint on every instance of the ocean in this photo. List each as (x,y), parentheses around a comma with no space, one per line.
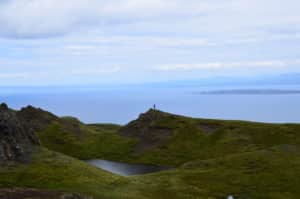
(123,104)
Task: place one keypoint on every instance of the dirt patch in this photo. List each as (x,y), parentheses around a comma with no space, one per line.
(152,139)
(37,194)
(208,128)
(145,130)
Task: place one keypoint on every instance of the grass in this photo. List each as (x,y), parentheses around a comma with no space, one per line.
(272,174)
(54,171)
(213,159)
(190,139)
(95,141)
(105,128)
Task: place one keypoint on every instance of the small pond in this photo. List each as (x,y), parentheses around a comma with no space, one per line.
(125,169)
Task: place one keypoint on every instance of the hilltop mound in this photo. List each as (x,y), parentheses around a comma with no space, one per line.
(70,136)
(145,123)
(39,119)
(168,139)
(36,117)
(16,136)
(146,129)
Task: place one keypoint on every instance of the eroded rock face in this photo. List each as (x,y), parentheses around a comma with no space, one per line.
(36,118)
(16,137)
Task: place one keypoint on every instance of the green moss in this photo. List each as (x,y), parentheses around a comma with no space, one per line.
(271,174)
(206,139)
(92,144)
(190,139)
(213,158)
(54,171)
(105,128)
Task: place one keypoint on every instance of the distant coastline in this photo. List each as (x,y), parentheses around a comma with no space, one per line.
(250,92)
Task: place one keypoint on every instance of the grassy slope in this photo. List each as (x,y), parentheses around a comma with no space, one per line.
(54,171)
(272,174)
(190,139)
(214,159)
(207,139)
(95,141)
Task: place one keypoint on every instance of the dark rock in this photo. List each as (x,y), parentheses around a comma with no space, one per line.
(3,106)
(36,118)
(16,138)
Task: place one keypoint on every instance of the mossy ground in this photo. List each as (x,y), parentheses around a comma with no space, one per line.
(95,141)
(272,174)
(54,171)
(208,139)
(213,159)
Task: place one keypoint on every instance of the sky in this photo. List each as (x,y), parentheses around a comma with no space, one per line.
(63,42)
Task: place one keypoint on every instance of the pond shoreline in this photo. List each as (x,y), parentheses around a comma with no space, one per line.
(126,169)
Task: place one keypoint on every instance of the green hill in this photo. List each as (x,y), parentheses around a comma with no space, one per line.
(161,138)
(212,159)
(70,136)
(169,139)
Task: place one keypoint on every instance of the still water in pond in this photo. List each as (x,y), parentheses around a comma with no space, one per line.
(126,169)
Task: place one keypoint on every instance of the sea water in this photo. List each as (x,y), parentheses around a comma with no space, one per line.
(121,105)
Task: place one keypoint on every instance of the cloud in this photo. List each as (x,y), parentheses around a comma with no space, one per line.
(54,41)
(63,76)
(13,75)
(226,65)
(50,18)
(40,18)
(96,71)
(155,41)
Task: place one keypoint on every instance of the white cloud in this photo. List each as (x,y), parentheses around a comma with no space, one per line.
(226,65)
(13,75)
(95,71)
(45,18)
(83,40)
(155,41)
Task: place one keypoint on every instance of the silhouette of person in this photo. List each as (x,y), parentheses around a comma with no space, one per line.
(154,106)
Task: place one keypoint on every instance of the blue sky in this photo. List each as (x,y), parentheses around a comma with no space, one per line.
(63,42)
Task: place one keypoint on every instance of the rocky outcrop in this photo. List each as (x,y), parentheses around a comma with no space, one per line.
(147,130)
(18,130)
(39,119)
(16,137)
(144,124)
(36,118)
